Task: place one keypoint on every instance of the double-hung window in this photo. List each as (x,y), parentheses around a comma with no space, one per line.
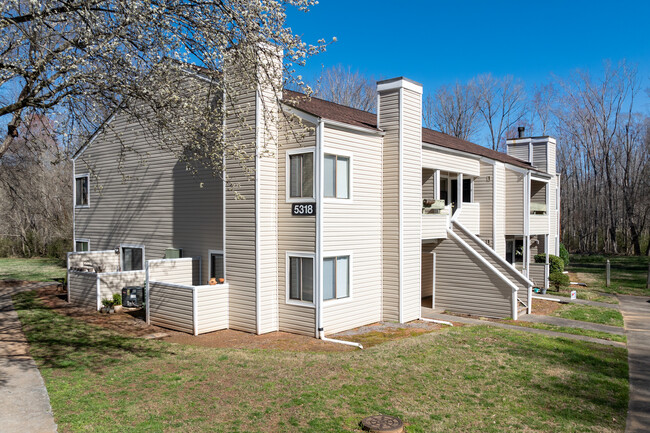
(301,177)
(337,176)
(301,279)
(81,184)
(336,277)
(132,258)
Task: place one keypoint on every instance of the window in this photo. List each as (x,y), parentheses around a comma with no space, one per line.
(216,265)
(467,190)
(301,180)
(301,279)
(82,245)
(336,277)
(81,190)
(132,258)
(337,176)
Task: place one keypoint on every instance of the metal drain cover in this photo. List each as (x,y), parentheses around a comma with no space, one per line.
(382,424)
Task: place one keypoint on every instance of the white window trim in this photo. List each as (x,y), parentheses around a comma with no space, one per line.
(287,278)
(345,154)
(74,190)
(349,298)
(287,185)
(144,260)
(210,252)
(81,240)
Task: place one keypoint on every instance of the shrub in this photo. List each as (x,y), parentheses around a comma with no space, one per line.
(559,280)
(564,254)
(556,263)
(117,299)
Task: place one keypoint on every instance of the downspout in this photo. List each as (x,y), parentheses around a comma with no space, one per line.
(441,322)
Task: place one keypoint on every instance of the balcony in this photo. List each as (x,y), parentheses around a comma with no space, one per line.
(435,220)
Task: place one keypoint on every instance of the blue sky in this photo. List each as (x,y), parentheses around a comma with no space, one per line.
(436,42)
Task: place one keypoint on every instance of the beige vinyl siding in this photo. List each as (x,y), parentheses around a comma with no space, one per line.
(354,226)
(500,210)
(483,195)
(514,203)
(212,308)
(295,233)
(536,273)
(106,261)
(411,204)
(470,217)
(171,306)
(518,151)
(479,291)
(445,161)
(540,157)
(389,122)
(427,274)
(240,216)
(537,192)
(553,185)
(268,212)
(148,198)
(538,224)
(428,184)
(114,282)
(434,226)
(177,271)
(83,289)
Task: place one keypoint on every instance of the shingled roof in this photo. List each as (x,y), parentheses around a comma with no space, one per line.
(351,116)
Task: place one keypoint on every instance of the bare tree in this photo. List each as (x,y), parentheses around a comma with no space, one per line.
(453,110)
(501,103)
(352,89)
(77,60)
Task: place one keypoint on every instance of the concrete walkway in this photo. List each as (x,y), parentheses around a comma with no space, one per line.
(430,314)
(558,321)
(636,313)
(24,403)
(564,299)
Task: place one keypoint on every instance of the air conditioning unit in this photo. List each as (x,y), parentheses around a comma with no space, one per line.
(133,296)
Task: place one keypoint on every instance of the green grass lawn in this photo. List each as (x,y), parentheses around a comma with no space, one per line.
(628,274)
(566,330)
(461,379)
(588,313)
(37,269)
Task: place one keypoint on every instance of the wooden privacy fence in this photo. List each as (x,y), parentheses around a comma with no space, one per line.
(186,308)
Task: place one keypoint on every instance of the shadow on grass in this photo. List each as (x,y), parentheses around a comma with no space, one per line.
(58,341)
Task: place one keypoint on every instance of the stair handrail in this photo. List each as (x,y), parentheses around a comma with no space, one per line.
(493,253)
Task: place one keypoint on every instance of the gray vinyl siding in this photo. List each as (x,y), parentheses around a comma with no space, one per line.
(427,273)
(428,184)
(389,122)
(514,203)
(83,289)
(500,210)
(148,198)
(295,233)
(536,273)
(483,194)
(171,307)
(212,308)
(240,216)
(354,226)
(479,291)
(112,283)
(537,192)
(411,205)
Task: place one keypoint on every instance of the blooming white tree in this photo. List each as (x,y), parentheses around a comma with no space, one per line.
(77,61)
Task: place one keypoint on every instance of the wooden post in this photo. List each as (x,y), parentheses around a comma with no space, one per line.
(607,270)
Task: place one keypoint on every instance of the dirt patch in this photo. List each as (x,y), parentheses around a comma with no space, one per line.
(543,307)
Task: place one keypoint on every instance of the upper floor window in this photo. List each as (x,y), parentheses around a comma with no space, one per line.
(301,178)
(337,176)
(81,190)
(132,258)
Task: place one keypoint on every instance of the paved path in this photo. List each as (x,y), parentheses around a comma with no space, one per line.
(429,314)
(24,403)
(564,299)
(636,313)
(558,321)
